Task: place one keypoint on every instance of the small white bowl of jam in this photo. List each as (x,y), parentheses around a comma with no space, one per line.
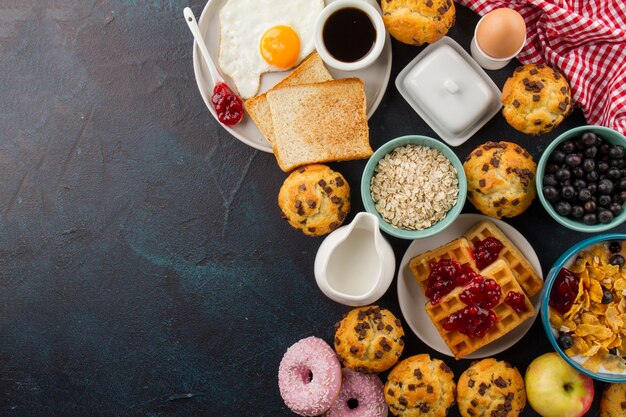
(349,34)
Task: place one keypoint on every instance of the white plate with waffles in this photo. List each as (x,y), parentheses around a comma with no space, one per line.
(375,77)
(412,298)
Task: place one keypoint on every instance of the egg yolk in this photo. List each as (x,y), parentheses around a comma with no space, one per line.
(280,46)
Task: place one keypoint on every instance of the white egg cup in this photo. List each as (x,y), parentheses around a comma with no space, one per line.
(377,21)
(487,61)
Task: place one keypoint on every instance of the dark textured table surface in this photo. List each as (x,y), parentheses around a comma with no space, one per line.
(144,266)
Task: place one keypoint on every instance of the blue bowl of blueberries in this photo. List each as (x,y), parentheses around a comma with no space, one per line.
(581,179)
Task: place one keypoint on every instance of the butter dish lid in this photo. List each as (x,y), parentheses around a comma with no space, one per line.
(449,90)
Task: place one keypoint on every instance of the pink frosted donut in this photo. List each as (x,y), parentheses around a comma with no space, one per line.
(309,377)
(361,395)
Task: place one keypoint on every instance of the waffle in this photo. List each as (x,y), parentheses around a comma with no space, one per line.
(507,319)
(459,250)
(523,271)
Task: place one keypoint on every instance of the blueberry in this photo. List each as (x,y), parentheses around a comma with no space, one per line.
(579,184)
(584,195)
(603,166)
(579,143)
(622,196)
(593,187)
(589,138)
(588,165)
(558,156)
(563,208)
(604,200)
(578,212)
(615,162)
(565,341)
(615,246)
(605,216)
(568,192)
(590,219)
(605,186)
(604,148)
(568,146)
(577,172)
(617,152)
(616,209)
(617,260)
(614,174)
(593,176)
(552,167)
(607,296)
(573,160)
(551,193)
(563,174)
(590,152)
(590,207)
(622,184)
(550,179)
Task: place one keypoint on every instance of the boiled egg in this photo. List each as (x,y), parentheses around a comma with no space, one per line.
(501,33)
(263,36)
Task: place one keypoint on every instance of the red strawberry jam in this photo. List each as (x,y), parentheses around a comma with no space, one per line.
(484,292)
(228,105)
(445,275)
(564,291)
(517,301)
(472,321)
(486,251)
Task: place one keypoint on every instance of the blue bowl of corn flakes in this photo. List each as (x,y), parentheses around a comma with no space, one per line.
(584,307)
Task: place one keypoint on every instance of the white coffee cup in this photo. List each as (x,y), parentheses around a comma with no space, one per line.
(379,27)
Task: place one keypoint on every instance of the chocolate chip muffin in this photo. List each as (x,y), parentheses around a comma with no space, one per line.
(536,99)
(315,199)
(491,388)
(369,339)
(613,402)
(500,179)
(418,21)
(420,386)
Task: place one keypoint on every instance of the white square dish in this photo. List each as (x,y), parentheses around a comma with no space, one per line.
(449,91)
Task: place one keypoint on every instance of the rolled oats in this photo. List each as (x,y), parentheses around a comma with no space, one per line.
(414,187)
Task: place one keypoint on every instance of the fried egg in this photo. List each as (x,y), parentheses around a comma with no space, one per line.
(259,36)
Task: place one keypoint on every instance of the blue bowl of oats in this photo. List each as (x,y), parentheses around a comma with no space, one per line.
(415,185)
(584,305)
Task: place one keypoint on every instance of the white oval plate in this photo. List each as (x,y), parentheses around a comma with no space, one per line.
(375,77)
(412,299)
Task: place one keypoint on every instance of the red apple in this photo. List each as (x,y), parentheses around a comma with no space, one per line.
(555,389)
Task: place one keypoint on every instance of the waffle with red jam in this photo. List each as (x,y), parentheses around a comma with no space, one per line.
(488,306)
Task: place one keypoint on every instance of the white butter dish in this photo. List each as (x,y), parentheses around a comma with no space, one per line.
(449,91)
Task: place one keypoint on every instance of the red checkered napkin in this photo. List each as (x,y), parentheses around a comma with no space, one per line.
(586,40)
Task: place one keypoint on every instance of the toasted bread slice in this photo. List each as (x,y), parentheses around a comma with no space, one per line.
(319,122)
(312,70)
